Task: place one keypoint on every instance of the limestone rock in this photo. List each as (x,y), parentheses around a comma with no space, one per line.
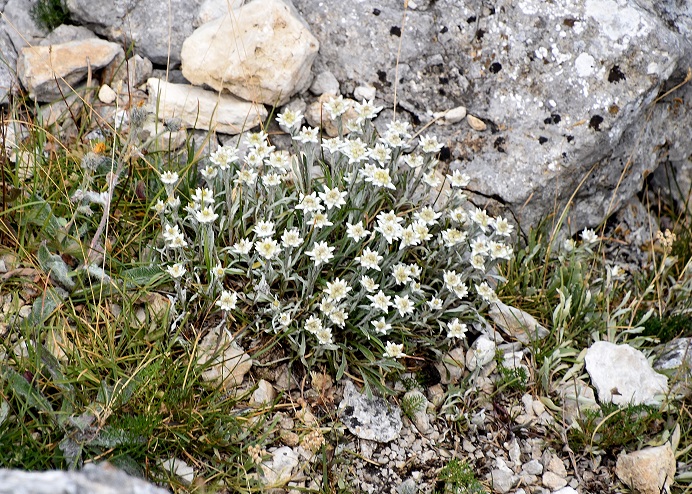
(420,413)
(278,470)
(222,359)
(563,86)
(451,367)
(647,471)
(364,93)
(38,67)
(213,9)
(96,479)
(201,109)
(8,64)
(106,94)
(20,26)
(553,481)
(482,352)
(369,418)
(263,395)
(324,82)
(157,29)
(261,52)
(65,33)
(180,469)
(517,323)
(622,375)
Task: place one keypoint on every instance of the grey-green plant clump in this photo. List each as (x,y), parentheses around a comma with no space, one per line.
(353,250)
(49,14)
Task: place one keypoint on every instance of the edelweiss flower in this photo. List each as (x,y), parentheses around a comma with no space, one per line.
(291,238)
(279,160)
(452,237)
(403,305)
(369,259)
(267,248)
(337,289)
(589,236)
(254,139)
(338,317)
(309,203)
(401,273)
(435,303)
(414,161)
(243,246)
(224,156)
(209,172)
(203,195)
(335,107)
(177,241)
(432,179)
(159,207)
(381,326)
(427,215)
(459,215)
(380,301)
(246,176)
(458,179)
(272,179)
(502,226)
(313,324)
(381,154)
(478,262)
(356,231)
(206,215)
(481,218)
(356,150)
(320,220)
(253,159)
(451,279)
(368,283)
(366,111)
(218,271)
(408,237)
(333,198)
(486,293)
(327,306)
(400,128)
(169,178)
(284,319)
(380,178)
(392,350)
(228,300)
(307,134)
(429,144)
(176,271)
(461,290)
(455,329)
(264,228)
(422,232)
(289,119)
(332,145)
(320,253)
(324,336)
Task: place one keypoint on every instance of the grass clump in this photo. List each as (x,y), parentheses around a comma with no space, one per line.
(50,14)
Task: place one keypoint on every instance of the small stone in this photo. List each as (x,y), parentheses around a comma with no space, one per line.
(517,323)
(538,408)
(533,467)
(263,395)
(566,490)
(476,123)
(468,446)
(289,438)
(324,83)
(482,352)
(557,466)
(553,481)
(229,363)
(364,93)
(514,451)
(649,470)
(455,115)
(436,395)
(180,469)
(451,367)
(420,415)
(279,470)
(502,480)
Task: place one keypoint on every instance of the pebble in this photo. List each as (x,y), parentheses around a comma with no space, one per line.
(553,481)
(533,467)
(476,123)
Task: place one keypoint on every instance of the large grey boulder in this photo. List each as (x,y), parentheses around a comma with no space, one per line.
(567,89)
(157,29)
(95,479)
(261,52)
(51,72)
(8,65)
(19,24)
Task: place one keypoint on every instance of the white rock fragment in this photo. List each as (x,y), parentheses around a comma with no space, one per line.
(420,414)
(279,470)
(39,67)
(476,123)
(455,115)
(201,109)
(324,83)
(566,490)
(482,352)
(107,95)
(364,93)
(451,367)
(553,481)
(262,52)
(533,467)
(263,395)
(374,419)
(229,363)
(585,65)
(180,469)
(517,323)
(622,375)
(649,470)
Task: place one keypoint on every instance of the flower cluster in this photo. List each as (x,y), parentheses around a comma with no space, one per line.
(348,245)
